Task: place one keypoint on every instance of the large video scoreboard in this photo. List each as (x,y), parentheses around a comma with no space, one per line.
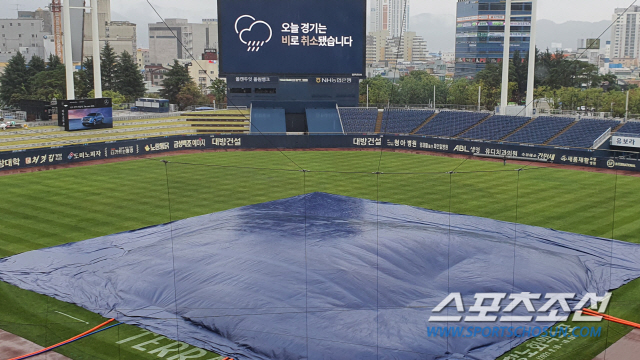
(292,37)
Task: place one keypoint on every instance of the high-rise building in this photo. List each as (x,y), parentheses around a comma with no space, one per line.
(26,35)
(121,35)
(142,58)
(194,39)
(386,50)
(480,33)
(625,34)
(389,15)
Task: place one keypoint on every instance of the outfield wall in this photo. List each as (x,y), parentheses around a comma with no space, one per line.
(605,159)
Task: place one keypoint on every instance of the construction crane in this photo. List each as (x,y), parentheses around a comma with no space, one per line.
(56,9)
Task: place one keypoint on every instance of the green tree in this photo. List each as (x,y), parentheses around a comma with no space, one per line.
(459,92)
(116,97)
(417,88)
(14,81)
(84,78)
(128,78)
(53,63)
(174,80)
(49,85)
(108,63)
(190,95)
(36,65)
(519,76)
(379,90)
(219,89)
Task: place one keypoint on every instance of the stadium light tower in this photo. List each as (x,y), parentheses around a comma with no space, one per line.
(505,57)
(68,52)
(504,93)
(95,41)
(532,57)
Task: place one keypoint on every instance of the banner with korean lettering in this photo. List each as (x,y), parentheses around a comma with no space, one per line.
(292,37)
(43,157)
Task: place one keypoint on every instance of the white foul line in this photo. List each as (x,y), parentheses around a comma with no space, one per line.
(61,313)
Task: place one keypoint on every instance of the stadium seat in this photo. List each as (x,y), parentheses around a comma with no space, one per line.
(540,130)
(451,123)
(403,121)
(631,127)
(496,127)
(359,121)
(584,133)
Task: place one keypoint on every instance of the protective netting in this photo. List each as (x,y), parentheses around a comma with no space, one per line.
(312,255)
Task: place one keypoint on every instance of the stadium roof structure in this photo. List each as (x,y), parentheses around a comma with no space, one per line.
(321,276)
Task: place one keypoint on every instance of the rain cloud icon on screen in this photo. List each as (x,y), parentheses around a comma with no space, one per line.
(253,33)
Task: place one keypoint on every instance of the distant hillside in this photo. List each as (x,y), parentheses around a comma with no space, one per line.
(569,32)
(439,31)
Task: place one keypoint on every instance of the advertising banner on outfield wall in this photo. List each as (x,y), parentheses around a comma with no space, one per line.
(116,149)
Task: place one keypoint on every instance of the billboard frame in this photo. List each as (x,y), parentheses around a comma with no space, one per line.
(222,72)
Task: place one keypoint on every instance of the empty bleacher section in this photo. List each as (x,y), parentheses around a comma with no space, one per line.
(631,127)
(496,127)
(403,121)
(268,121)
(584,133)
(540,130)
(451,123)
(219,121)
(359,120)
(324,121)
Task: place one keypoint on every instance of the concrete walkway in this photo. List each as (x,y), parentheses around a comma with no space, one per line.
(627,348)
(12,346)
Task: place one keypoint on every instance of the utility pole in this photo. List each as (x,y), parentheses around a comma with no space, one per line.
(367,95)
(434,97)
(479,96)
(626,114)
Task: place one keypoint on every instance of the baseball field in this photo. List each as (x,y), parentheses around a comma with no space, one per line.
(55,207)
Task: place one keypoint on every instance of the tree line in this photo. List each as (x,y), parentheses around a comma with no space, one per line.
(565,83)
(40,80)
(121,80)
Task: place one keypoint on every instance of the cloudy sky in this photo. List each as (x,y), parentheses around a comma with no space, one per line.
(138,11)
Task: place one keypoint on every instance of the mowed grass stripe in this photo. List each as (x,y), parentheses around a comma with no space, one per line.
(54,207)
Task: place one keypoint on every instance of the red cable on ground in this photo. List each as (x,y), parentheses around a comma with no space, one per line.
(63,342)
(610,318)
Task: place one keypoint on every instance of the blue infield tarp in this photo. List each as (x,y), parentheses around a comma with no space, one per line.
(322,277)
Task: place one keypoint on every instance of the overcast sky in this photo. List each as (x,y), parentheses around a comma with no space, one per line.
(138,11)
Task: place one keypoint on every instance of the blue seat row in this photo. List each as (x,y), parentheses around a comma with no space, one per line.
(359,121)
(451,123)
(632,127)
(584,133)
(496,127)
(401,121)
(540,130)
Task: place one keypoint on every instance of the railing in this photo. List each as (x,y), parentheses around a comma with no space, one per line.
(425,106)
(14,115)
(602,139)
(148,116)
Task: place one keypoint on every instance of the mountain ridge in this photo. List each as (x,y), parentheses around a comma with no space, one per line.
(439,31)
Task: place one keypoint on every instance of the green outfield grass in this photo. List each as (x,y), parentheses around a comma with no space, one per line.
(59,206)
